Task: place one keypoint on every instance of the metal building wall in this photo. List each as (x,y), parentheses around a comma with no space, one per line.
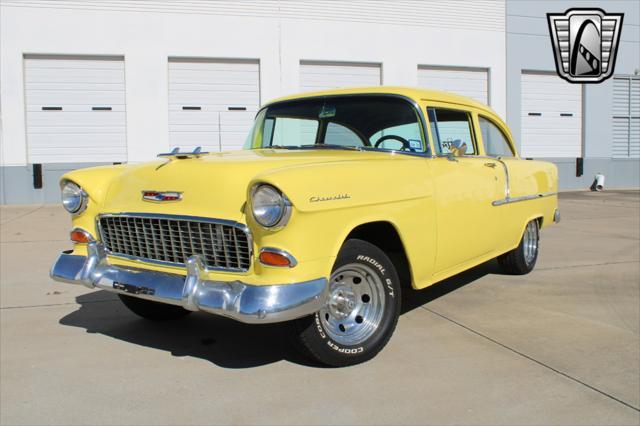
(529,50)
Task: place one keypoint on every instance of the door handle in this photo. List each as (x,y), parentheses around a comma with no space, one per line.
(492,165)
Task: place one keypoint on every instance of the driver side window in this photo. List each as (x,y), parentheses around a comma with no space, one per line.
(451,130)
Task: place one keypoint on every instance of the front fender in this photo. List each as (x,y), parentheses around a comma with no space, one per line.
(398,191)
(349,184)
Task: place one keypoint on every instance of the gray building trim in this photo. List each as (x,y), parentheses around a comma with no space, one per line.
(529,50)
(16,182)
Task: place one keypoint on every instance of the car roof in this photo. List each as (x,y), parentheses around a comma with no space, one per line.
(416,94)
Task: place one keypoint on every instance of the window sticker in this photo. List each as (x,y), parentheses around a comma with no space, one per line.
(415,144)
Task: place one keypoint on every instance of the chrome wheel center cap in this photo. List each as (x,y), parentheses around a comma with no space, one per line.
(342,302)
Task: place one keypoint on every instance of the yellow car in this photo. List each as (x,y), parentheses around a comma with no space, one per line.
(339,200)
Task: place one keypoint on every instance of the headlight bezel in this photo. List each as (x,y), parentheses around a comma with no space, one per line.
(285,207)
(79,192)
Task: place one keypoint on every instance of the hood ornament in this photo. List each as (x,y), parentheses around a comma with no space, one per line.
(161,197)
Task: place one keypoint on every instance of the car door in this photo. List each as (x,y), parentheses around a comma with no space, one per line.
(497,145)
(465,185)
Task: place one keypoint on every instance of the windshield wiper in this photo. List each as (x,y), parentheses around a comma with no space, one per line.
(329,146)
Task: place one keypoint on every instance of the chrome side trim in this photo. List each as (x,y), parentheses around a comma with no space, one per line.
(234,299)
(509,200)
(238,225)
(292,260)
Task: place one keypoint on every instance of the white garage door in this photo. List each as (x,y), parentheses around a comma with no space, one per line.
(316,76)
(75,109)
(212,103)
(626,117)
(551,117)
(472,83)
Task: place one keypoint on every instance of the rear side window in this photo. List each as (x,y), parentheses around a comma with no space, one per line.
(495,143)
(451,130)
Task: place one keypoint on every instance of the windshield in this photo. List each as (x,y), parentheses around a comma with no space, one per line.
(351,122)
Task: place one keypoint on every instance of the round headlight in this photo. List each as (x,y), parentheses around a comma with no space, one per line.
(74,199)
(270,207)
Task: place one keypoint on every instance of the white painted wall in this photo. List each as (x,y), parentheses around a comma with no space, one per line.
(399,35)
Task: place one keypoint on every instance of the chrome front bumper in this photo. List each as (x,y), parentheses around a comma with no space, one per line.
(235,299)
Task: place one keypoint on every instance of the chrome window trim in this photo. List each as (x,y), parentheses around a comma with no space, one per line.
(226,222)
(292,260)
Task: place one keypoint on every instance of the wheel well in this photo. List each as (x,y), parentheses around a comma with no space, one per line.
(385,236)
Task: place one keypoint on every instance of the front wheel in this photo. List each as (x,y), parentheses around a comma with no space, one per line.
(522,259)
(361,312)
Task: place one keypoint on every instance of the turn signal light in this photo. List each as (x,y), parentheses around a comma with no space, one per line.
(80,236)
(271,258)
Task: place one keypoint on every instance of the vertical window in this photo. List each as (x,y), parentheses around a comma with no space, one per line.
(452,132)
(495,143)
(626,117)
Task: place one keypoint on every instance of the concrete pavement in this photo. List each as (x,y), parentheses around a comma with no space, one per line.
(558,346)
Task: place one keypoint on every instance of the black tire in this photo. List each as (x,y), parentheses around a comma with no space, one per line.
(153,311)
(314,334)
(522,260)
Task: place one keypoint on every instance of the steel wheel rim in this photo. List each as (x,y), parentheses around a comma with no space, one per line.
(355,306)
(530,242)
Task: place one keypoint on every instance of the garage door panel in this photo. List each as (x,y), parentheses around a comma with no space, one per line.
(192,139)
(470,83)
(74,75)
(80,140)
(67,130)
(115,108)
(76,132)
(77,86)
(248,75)
(72,119)
(214,87)
(226,98)
(74,97)
(316,76)
(193,118)
(80,63)
(551,117)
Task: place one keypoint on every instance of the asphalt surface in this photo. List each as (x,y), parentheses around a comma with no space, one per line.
(558,346)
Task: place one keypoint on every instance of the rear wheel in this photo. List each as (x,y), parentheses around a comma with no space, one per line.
(522,259)
(361,312)
(153,310)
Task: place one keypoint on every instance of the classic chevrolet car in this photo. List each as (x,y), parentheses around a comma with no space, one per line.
(339,200)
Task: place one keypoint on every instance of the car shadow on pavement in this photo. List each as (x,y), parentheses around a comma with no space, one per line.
(224,342)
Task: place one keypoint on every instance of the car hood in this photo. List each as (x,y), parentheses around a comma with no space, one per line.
(216,185)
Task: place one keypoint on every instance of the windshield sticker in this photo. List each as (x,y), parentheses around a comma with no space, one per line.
(327,112)
(415,144)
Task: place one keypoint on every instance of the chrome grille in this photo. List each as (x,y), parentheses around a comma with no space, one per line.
(170,239)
